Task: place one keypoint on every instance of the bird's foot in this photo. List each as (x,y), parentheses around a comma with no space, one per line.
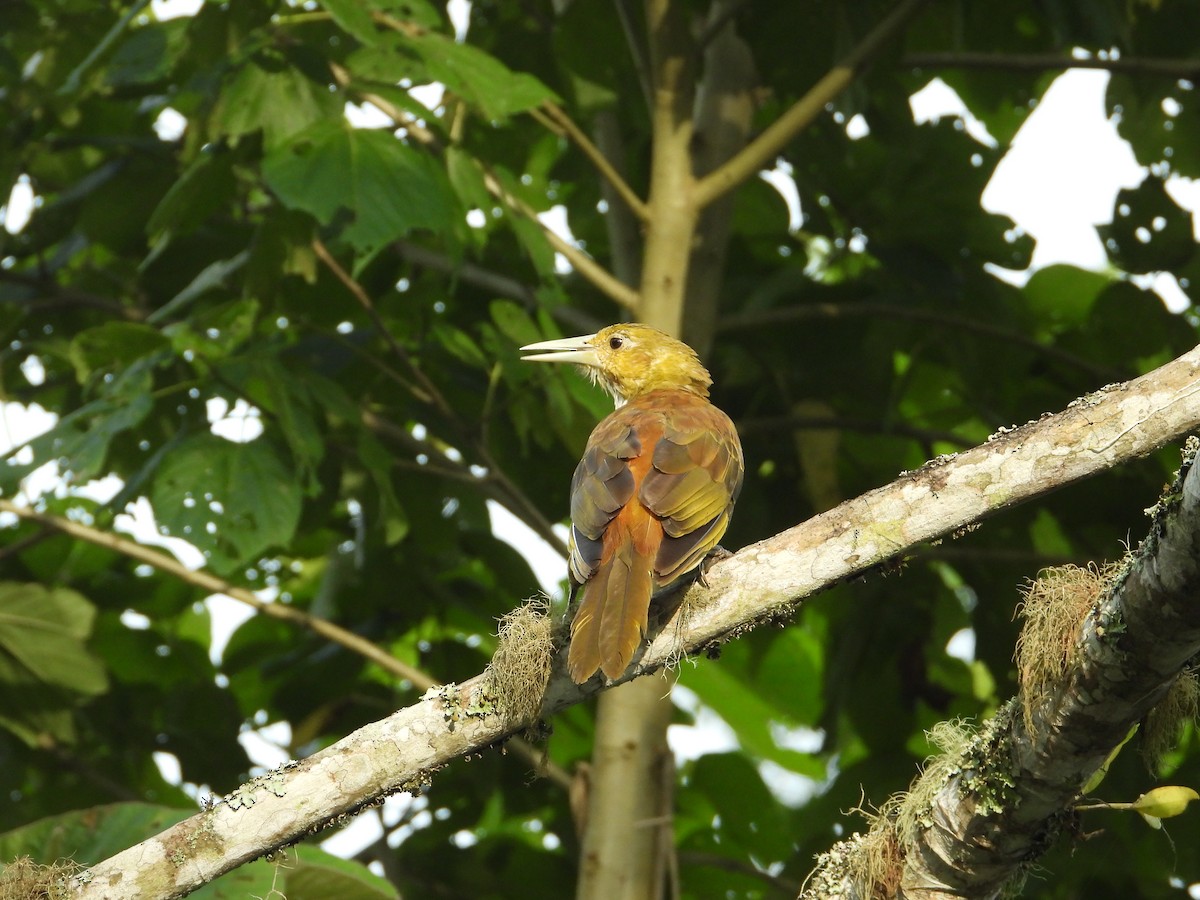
(716,554)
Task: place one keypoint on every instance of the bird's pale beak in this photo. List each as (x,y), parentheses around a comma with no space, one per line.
(577,350)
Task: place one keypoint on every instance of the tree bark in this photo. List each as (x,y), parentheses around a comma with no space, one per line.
(1000,811)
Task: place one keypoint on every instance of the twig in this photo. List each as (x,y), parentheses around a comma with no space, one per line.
(759,152)
(424,390)
(599,276)
(808,422)
(470,272)
(495,482)
(209,582)
(495,282)
(638,52)
(428,392)
(553,117)
(770,317)
(582,263)
(58,296)
(1041,62)
(323,627)
(728,864)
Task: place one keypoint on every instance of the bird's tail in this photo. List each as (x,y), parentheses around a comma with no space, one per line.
(614,608)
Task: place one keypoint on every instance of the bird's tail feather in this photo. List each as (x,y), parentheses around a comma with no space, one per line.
(614,610)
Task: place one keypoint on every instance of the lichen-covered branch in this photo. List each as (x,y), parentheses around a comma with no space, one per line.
(764,582)
(996,802)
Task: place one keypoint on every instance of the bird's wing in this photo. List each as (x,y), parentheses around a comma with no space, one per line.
(602,484)
(692,485)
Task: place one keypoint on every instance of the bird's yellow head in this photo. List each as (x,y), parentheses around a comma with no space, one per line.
(628,360)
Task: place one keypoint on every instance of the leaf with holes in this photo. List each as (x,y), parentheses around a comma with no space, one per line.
(233,501)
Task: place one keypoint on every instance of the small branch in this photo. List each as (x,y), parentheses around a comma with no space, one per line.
(639,54)
(1043,62)
(469,272)
(497,485)
(57,296)
(488,280)
(816,423)
(600,277)
(323,627)
(211,583)
(552,116)
(424,389)
(580,261)
(763,149)
(772,317)
(343,79)
(741,867)
(1129,651)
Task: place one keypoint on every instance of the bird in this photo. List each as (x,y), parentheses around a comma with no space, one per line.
(654,491)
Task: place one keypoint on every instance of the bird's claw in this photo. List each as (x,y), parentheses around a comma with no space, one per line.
(716,554)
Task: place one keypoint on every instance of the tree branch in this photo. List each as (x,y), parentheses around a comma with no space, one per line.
(818,423)
(763,149)
(552,116)
(762,583)
(997,813)
(600,277)
(1042,62)
(323,627)
(770,317)
(425,390)
(211,583)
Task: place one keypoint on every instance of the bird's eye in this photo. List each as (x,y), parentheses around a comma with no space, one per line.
(616,342)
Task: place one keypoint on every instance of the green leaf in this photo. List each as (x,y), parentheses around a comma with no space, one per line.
(317,875)
(749,814)
(283,393)
(233,501)
(1101,773)
(89,835)
(280,102)
(113,345)
(81,438)
(478,77)
(216,333)
(353,17)
(1164,802)
(1063,295)
(749,716)
(146,55)
(46,630)
(1149,231)
(380,187)
(209,278)
(207,186)
(514,322)
(471,74)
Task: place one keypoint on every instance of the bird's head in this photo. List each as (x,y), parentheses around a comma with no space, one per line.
(628,360)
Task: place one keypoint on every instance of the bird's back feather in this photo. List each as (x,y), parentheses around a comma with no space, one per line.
(650,498)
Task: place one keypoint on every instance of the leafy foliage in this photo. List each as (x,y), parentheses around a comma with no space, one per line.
(211,233)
